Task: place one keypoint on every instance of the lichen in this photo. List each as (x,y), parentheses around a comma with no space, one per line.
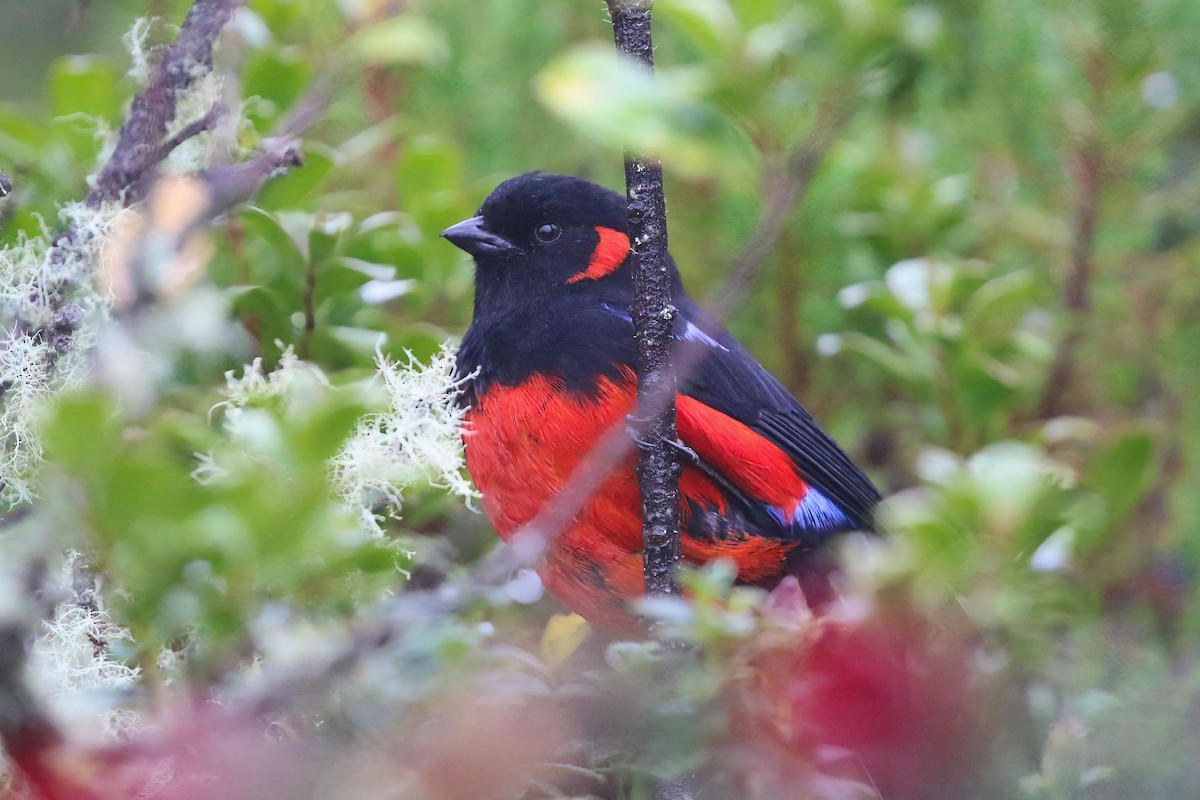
(73,670)
(419,438)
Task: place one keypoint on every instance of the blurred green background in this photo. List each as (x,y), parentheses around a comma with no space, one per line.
(988,290)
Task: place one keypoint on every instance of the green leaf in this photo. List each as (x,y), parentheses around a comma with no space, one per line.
(429,172)
(328,234)
(709,24)
(1122,472)
(343,345)
(406,38)
(20,136)
(271,230)
(421,339)
(82,430)
(889,359)
(340,276)
(265,316)
(995,309)
(979,393)
(617,103)
(278,75)
(325,432)
(298,185)
(84,85)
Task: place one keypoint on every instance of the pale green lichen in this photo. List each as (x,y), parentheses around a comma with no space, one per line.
(72,668)
(37,280)
(137,42)
(197,152)
(419,438)
(204,92)
(257,386)
(287,389)
(416,440)
(34,369)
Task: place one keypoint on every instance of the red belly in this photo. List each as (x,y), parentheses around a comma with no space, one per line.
(524,442)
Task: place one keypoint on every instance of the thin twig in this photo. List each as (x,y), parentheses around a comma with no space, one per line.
(310,309)
(653,322)
(783,193)
(1088,166)
(789,328)
(1087,171)
(192,129)
(233,184)
(26,732)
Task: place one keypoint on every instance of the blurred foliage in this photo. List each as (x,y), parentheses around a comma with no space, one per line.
(1044,525)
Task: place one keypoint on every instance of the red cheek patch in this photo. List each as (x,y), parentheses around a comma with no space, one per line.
(609,254)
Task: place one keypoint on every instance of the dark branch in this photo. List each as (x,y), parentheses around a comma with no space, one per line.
(653,321)
(139,146)
(1087,170)
(237,183)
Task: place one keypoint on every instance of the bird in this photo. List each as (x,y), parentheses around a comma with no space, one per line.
(547,367)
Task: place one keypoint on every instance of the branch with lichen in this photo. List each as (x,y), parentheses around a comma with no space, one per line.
(48,292)
(50,296)
(143,144)
(139,148)
(47,309)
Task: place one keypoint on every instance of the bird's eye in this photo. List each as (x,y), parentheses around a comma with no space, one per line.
(547,232)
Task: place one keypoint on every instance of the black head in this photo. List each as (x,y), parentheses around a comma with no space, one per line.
(537,231)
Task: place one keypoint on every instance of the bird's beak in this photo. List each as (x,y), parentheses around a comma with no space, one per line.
(470,235)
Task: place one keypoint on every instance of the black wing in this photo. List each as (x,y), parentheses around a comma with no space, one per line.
(728,379)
